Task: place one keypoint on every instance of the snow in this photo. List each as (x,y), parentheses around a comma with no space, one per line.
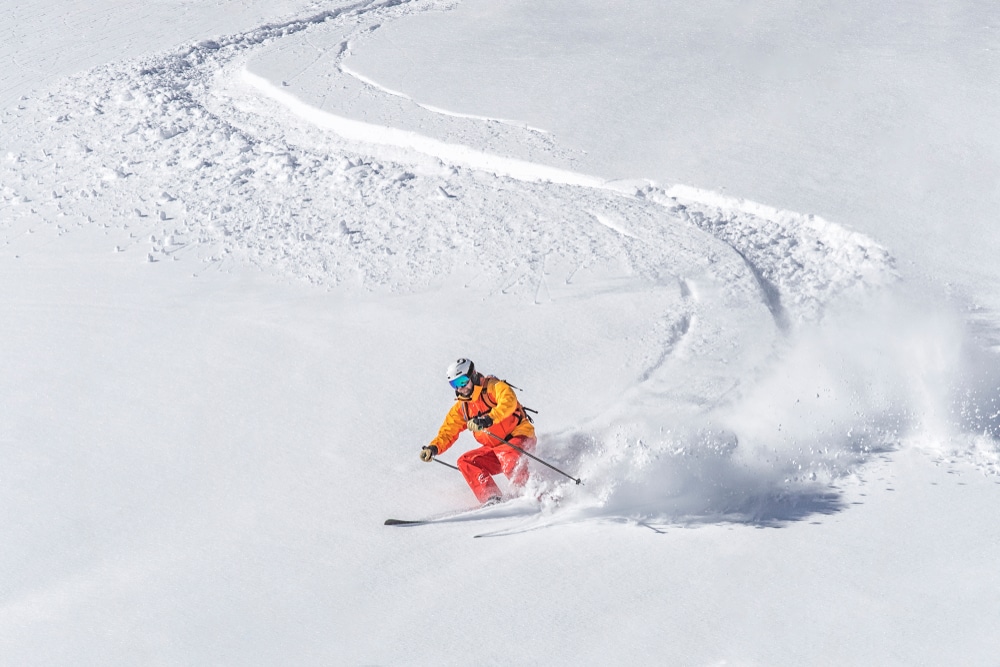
(240,244)
(878,116)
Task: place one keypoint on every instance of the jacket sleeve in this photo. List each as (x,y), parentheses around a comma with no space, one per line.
(454,424)
(506,401)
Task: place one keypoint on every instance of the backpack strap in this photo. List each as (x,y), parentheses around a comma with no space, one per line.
(488,382)
(520,411)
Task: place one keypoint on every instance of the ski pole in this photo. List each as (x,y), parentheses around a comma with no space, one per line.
(529,454)
(446,464)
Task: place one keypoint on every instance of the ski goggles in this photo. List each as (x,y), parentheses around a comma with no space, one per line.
(460,381)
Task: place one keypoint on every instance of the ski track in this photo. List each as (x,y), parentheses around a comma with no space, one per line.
(184,159)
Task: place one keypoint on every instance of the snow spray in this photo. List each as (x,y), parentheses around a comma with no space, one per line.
(889,370)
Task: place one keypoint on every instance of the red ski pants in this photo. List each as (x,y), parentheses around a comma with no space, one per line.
(479,466)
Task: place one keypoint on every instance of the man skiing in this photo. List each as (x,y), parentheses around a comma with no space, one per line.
(489,408)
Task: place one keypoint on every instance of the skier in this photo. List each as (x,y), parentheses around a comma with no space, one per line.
(489,408)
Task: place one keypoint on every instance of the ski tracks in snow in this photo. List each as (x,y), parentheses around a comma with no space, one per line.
(177,142)
(184,156)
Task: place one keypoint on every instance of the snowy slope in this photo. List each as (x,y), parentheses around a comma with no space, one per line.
(229,305)
(878,116)
(44,41)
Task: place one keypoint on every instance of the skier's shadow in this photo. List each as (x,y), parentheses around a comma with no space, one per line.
(773,511)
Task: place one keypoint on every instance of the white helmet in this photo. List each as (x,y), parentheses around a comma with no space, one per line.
(460,368)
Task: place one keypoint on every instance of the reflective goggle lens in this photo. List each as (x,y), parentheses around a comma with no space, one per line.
(460,382)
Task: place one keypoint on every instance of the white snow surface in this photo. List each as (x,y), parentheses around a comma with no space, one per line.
(239,244)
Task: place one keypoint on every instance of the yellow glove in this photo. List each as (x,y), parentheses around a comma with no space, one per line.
(480,423)
(428,453)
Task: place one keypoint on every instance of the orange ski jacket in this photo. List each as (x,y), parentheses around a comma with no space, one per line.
(494,397)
